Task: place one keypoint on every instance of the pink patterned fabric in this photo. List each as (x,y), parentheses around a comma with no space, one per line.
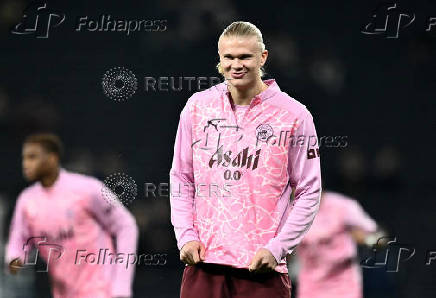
(328,251)
(68,221)
(243,165)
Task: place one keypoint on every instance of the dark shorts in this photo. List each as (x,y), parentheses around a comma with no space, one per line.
(218,281)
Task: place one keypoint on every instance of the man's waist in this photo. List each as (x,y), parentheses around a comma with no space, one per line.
(224,269)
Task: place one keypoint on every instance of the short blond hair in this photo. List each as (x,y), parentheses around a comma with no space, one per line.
(246,29)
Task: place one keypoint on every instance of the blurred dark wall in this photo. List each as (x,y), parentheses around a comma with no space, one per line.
(378,92)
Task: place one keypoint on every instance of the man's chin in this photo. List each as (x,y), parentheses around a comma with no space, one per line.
(30,178)
(240,83)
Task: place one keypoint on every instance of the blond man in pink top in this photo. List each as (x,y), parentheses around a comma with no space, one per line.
(64,216)
(236,144)
(328,252)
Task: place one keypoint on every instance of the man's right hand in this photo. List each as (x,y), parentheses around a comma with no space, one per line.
(192,252)
(15,265)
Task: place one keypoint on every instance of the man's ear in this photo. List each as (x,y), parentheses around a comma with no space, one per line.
(264,57)
(54,159)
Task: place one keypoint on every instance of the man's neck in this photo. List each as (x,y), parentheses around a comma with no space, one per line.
(244,96)
(50,179)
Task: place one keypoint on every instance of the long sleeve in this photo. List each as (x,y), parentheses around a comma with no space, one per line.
(182,182)
(18,234)
(120,223)
(305,176)
(356,217)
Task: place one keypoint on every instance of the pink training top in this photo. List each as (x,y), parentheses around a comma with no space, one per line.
(328,251)
(70,224)
(243,166)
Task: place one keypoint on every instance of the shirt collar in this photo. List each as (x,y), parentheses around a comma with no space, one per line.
(57,182)
(269,92)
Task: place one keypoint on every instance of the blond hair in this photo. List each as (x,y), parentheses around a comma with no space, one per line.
(246,29)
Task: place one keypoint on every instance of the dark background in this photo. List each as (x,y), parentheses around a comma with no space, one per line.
(376,91)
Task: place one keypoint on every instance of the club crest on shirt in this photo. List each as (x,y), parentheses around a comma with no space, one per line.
(264,132)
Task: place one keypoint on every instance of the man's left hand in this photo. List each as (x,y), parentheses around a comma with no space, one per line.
(263,261)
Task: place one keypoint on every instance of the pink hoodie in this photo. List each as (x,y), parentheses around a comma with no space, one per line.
(243,171)
(328,251)
(70,224)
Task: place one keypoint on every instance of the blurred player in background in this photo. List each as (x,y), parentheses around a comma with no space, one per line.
(238,133)
(328,253)
(64,216)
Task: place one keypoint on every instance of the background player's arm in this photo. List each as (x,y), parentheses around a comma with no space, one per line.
(305,177)
(18,238)
(363,228)
(120,223)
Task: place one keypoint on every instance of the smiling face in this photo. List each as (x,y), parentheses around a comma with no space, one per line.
(241,58)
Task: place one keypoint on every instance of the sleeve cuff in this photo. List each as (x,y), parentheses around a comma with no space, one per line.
(186,238)
(12,255)
(274,247)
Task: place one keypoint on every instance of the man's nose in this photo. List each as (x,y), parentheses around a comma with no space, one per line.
(237,64)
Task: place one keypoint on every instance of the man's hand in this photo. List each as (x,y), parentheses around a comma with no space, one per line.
(263,262)
(192,252)
(15,265)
